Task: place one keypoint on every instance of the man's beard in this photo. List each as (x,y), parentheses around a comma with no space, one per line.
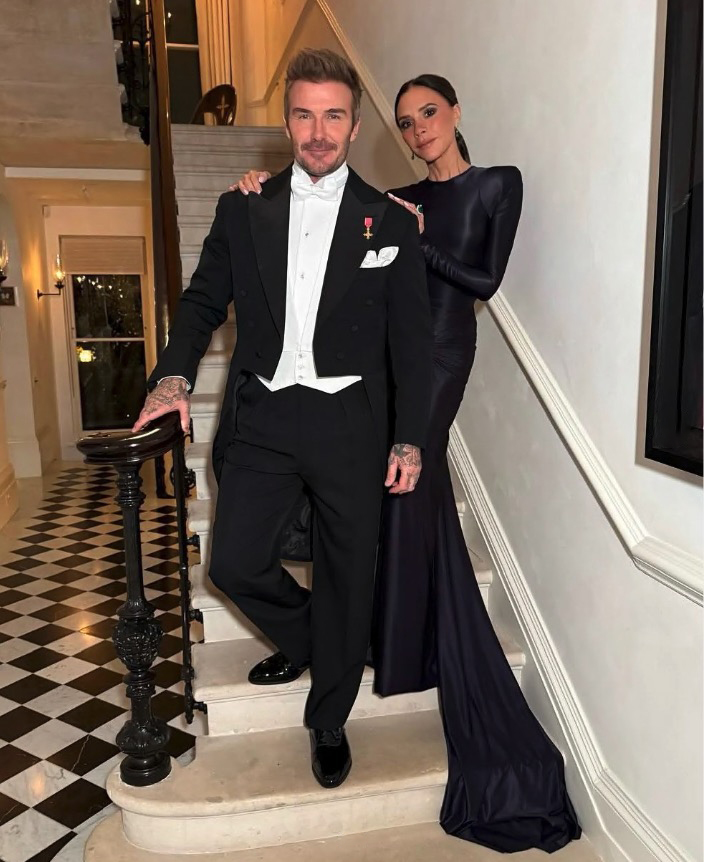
(311,167)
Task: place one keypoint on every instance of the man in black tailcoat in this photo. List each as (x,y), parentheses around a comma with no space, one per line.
(332,363)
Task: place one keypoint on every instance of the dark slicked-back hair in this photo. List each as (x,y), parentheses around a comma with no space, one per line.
(318,65)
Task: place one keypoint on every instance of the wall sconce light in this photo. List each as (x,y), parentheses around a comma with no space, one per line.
(59,279)
(7,293)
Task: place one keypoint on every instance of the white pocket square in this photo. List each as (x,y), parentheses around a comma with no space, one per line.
(383,257)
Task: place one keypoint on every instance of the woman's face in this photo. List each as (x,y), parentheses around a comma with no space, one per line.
(427,122)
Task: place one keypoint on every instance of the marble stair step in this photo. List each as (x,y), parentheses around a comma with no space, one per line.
(271,139)
(222,621)
(236,706)
(218,178)
(257,790)
(240,157)
(201,512)
(196,205)
(418,843)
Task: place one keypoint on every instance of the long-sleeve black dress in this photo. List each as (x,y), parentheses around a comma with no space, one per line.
(506,786)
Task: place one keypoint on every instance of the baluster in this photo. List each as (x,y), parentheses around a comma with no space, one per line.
(138,634)
(137,637)
(187,673)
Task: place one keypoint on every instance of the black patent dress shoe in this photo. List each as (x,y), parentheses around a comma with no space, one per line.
(330,754)
(275,670)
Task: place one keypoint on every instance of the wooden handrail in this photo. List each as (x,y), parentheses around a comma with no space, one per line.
(128,449)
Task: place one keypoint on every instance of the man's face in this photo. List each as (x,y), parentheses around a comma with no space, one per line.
(320,125)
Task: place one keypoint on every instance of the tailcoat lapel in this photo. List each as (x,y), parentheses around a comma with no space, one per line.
(269,217)
(349,245)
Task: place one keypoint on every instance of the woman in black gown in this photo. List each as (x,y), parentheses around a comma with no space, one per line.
(506,786)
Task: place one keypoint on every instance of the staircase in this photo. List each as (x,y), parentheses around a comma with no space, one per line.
(249,795)
(57,77)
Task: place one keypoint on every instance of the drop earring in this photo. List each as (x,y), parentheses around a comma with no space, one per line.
(413,156)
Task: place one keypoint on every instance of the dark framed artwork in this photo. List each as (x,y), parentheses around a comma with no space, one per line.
(674,433)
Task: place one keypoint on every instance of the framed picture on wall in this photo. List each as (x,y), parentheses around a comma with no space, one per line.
(674,434)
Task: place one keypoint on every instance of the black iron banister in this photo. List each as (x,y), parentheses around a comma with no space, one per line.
(138,634)
(187,614)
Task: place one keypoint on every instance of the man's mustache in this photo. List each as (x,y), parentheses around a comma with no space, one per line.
(319,146)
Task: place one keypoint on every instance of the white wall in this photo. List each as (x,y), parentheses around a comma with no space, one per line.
(569,91)
(565,90)
(8,484)
(89,221)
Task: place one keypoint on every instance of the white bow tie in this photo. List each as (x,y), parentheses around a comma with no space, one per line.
(304,188)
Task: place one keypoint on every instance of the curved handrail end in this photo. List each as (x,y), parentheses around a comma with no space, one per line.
(126,448)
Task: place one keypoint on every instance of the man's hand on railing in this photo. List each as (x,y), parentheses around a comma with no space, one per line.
(170,395)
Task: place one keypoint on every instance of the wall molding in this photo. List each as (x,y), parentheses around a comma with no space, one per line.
(626,830)
(668,564)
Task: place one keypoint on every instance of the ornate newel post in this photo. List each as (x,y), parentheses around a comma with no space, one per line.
(137,635)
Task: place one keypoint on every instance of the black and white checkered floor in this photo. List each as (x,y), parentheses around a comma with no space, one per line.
(62,699)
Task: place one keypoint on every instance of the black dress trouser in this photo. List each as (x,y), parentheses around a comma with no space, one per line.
(284,442)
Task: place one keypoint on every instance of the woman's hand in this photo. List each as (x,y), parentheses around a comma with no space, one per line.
(251,182)
(416,209)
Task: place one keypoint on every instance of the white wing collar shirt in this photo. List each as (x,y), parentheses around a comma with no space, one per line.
(314,210)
